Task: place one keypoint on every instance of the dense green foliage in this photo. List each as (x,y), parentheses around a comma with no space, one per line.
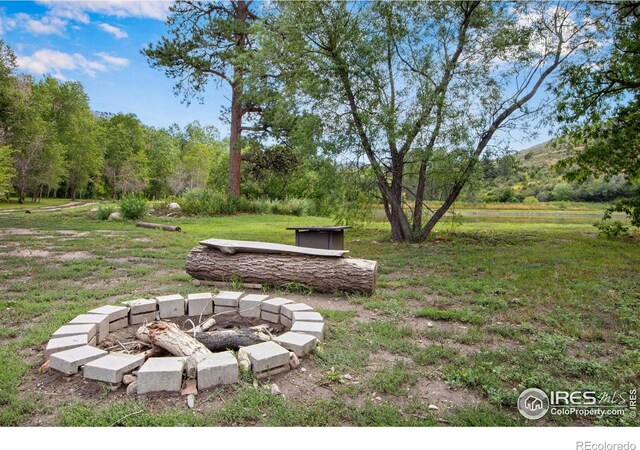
(599,107)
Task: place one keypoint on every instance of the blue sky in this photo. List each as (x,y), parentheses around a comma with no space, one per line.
(98,43)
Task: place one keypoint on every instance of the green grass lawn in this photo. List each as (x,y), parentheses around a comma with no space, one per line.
(465,321)
(45,202)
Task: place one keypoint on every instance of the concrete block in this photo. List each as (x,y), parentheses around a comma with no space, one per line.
(101,321)
(223,309)
(201,303)
(313,328)
(298,343)
(217,368)
(114,312)
(284,321)
(270,317)
(267,355)
(56,345)
(273,305)
(227,298)
(288,309)
(306,316)
(170,306)
(142,305)
(69,361)
(118,324)
(112,367)
(89,329)
(161,374)
(135,319)
(250,305)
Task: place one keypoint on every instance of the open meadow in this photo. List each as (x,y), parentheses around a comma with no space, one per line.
(458,326)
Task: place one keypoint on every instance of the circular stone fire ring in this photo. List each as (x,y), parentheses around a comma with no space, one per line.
(76,346)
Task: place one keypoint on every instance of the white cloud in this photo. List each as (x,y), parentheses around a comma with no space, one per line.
(115,31)
(119,8)
(68,12)
(6,23)
(47,61)
(44,25)
(61,14)
(113,60)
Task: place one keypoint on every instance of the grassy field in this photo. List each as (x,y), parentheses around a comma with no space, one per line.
(44,203)
(464,322)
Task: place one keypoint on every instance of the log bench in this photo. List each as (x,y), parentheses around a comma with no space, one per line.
(279,265)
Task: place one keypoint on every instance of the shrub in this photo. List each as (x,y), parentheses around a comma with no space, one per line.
(530,200)
(133,207)
(291,207)
(612,229)
(202,202)
(206,202)
(104,211)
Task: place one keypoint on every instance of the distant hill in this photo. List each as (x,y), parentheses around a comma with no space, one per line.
(530,176)
(541,155)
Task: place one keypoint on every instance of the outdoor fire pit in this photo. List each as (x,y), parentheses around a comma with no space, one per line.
(166,340)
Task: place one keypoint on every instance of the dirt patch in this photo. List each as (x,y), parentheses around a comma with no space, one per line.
(17,231)
(75,255)
(110,233)
(26,253)
(322,301)
(73,233)
(439,393)
(383,358)
(33,253)
(304,383)
(126,259)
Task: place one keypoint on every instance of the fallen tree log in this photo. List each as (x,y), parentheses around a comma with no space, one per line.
(158,226)
(167,335)
(233,339)
(323,274)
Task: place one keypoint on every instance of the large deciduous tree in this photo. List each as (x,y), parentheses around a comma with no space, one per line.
(396,82)
(211,41)
(76,131)
(126,163)
(599,107)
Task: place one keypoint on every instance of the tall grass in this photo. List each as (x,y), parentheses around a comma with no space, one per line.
(205,202)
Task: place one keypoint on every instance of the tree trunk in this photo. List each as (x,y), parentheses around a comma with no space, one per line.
(235,145)
(240,13)
(324,274)
(158,226)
